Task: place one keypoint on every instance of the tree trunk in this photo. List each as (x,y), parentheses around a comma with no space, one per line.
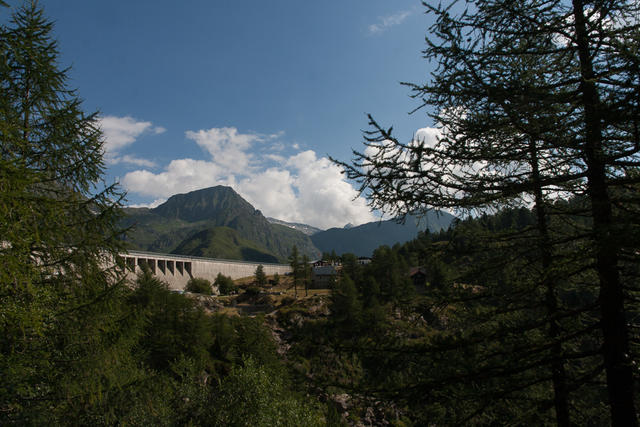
(613,322)
(558,373)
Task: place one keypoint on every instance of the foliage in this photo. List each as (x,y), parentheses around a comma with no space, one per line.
(225,284)
(306,269)
(296,269)
(460,342)
(261,277)
(191,356)
(251,395)
(64,339)
(199,285)
(78,345)
(346,309)
(252,291)
(532,105)
(177,327)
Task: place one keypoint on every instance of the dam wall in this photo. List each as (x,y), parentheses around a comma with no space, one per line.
(176,270)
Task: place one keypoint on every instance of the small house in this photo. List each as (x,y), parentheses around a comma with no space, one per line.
(323,276)
(418,276)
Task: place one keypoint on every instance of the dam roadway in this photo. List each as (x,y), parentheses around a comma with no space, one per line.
(176,270)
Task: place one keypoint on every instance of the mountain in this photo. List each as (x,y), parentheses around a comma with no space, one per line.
(225,243)
(363,239)
(220,205)
(306,229)
(184,222)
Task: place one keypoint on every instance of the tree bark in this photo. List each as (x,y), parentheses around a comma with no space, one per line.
(558,372)
(613,322)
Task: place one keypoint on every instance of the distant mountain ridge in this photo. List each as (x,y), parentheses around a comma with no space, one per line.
(191,224)
(363,239)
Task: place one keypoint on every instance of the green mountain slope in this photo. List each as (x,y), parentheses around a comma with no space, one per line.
(223,242)
(364,239)
(182,217)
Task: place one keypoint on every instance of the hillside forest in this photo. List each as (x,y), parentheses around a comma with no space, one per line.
(524,311)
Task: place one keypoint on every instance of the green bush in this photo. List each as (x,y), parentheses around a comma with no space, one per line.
(199,285)
(254,395)
(225,284)
(252,291)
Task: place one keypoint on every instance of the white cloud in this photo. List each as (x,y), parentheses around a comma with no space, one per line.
(277,147)
(386,22)
(272,191)
(121,132)
(227,147)
(428,136)
(180,176)
(132,160)
(275,157)
(301,188)
(324,197)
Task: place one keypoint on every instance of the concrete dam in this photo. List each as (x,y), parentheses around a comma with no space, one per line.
(176,270)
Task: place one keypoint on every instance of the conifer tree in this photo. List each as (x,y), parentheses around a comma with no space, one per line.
(261,277)
(294,262)
(306,274)
(346,308)
(535,101)
(61,321)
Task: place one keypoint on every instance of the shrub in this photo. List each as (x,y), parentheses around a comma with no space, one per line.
(254,395)
(252,290)
(199,285)
(261,277)
(225,284)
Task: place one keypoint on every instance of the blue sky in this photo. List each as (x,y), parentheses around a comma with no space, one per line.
(252,94)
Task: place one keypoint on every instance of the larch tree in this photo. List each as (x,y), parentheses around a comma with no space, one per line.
(294,262)
(306,273)
(534,102)
(261,277)
(63,340)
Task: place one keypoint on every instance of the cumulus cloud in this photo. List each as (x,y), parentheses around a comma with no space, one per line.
(300,188)
(180,176)
(121,132)
(429,136)
(386,22)
(227,147)
(324,195)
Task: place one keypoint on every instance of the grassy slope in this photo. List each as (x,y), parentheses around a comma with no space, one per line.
(224,242)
